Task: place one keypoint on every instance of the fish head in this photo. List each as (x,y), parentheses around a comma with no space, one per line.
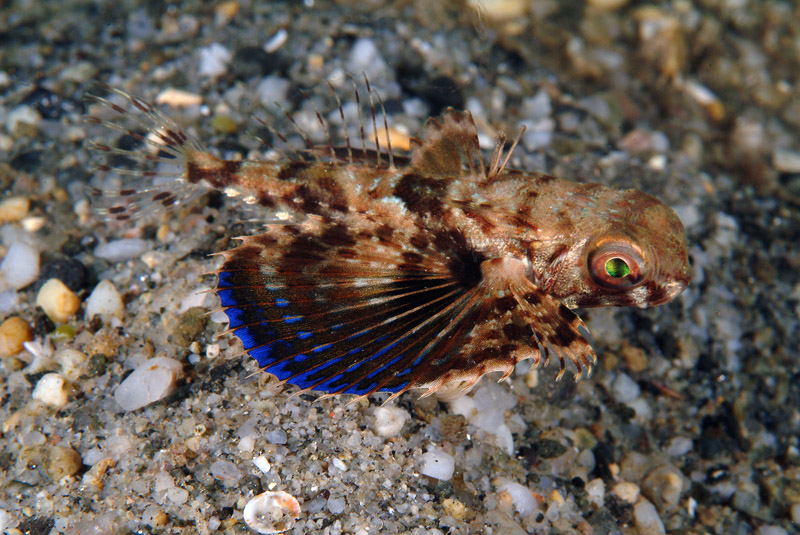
(627,249)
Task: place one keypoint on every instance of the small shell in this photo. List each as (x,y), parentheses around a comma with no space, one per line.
(271,512)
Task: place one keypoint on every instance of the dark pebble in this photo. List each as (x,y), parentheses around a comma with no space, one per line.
(443,92)
(51,105)
(548,448)
(454,428)
(27,161)
(97,364)
(71,272)
(440,93)
(215,377)
(41,324)
(255,62)
(604,456)
(603,523)
(192,324)
(37,525)
(619,509)
(721,434)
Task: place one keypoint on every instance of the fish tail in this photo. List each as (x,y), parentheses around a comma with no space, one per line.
(148,166)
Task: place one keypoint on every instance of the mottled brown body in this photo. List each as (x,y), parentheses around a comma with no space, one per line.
(429,271)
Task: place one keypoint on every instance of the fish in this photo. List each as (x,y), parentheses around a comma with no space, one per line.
(379,271)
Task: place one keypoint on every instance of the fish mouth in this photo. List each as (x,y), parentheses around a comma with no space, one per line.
(673,289)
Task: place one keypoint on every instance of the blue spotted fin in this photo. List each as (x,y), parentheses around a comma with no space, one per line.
(364,308)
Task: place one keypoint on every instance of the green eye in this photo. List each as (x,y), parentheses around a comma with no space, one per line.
(617,268)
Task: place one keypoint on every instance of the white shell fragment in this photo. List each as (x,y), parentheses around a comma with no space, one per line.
(437,464)
(521,496)
(271,512)
(53,390)
(389,421)
(153,380)
(122,250)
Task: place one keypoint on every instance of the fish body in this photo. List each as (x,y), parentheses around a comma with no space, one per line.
(389,273)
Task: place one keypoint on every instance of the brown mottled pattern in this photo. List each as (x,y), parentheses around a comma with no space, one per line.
(428,274)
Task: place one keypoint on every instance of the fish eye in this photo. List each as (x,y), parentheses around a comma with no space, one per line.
(617,264)
(617,267)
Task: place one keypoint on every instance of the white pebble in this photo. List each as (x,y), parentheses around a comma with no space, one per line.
(5,518)
(647,520)
(642,409)
(9,302)
(437,464)
(272,89)
(795,510)
(786,161)
(71,361)
(93,456)
(365,57)
(121,250)
(689,215)
(271,512)
(22,115)
(339,464)
(336,505)
(164,481)
(276,41)
(214,60)
(492,400)
(154,516)
(503,439)
(538,106)
(465,406)
(624,389)
(771,530)
(538,134)
(262,464)
(53,390)
(246,444)
(178,495)
(104,301)
(679,446)
(196,298)
(226,471)
(20,267)
(33,438)
(276,436)
(596,492)
(389,421)
(153,380)
(627,490)
(521,496)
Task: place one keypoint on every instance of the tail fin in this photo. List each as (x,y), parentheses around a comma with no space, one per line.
(146,167)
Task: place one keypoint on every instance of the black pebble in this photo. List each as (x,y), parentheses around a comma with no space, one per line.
(51,105)
(27,161)
(42,324)
(443,92)
(439,92)
(37,525)
(71,272)
(254,62)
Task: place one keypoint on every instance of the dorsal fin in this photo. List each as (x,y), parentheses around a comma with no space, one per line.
(450,147)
